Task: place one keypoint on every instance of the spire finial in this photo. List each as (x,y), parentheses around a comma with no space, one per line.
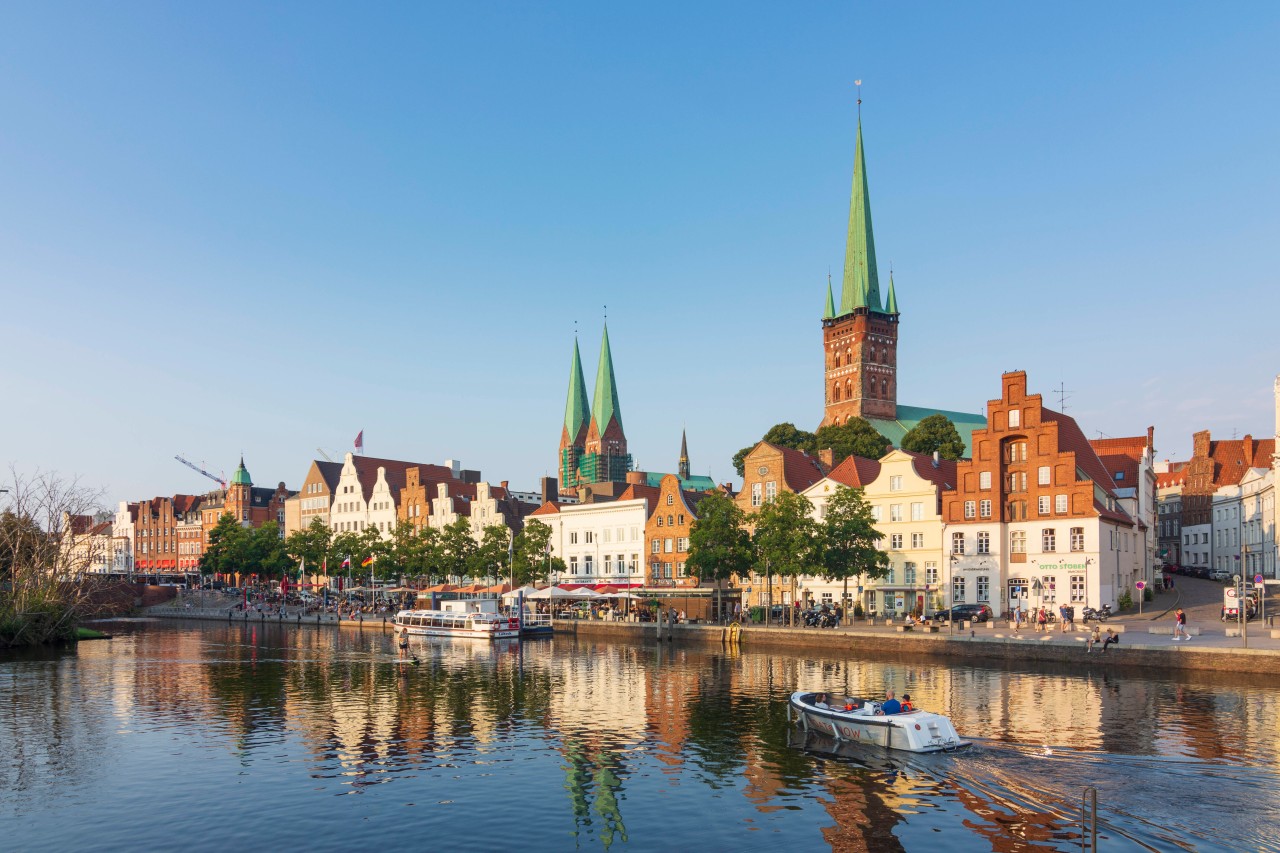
(858,83)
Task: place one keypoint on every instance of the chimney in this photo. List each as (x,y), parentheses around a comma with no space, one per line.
(1248,450)
(1151,437)
(935,459)
(550,488)
(504,484)
(827,457)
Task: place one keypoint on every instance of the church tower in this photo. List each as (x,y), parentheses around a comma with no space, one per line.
(683,468)
(605,457)
(860,340)
(573,436)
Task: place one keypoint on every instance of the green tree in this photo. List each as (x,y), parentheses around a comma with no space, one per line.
(935,433)
(433,562)
(489,558)
(311,544)
(266,553)
(785,537)
(346,545)
(719,544)
(857,437)
(784,435)
(531,560)
(459,546)
(228,548)
(847,538)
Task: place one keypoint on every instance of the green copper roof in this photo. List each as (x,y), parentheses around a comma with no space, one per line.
(575,408)
(604,407)
(830,313)
(908,416)
(891,307)
(861,288)
(241,476)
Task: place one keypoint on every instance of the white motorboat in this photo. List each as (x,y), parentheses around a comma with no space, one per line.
(474,618)
(855,720)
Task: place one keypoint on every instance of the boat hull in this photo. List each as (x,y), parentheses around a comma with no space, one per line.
(475,626)
(914,731)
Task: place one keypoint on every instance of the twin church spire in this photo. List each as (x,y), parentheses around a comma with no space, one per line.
(593,446)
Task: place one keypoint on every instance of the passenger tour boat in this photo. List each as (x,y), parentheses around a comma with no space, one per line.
(855,720)
(463,618)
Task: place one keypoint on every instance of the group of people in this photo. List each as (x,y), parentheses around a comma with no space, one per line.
(1096,637)
(890,705)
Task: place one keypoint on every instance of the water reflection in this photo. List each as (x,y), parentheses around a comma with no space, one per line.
(591,745)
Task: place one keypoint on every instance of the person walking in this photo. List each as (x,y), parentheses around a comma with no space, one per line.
(1062,619)
(1180,626)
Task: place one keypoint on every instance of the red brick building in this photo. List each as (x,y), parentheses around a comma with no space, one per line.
(672,513)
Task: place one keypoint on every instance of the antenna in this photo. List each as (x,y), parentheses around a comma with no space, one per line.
(1063,396)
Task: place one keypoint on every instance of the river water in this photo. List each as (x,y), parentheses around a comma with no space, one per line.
(204,736)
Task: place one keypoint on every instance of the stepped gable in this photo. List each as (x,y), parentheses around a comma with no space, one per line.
(856,472)
(367,472)
(799,469)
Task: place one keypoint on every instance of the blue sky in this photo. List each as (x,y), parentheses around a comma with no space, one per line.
(237,227)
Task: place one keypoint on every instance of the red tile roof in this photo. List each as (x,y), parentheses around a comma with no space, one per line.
(1233,457)
(856,471)
(1171,478)
(799,469)
(635,490)
(1072,439)
(548,508)
(943,475)
(1121,457)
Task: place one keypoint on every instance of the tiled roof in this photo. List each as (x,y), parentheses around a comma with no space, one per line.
(183,504)
(1121,457)
(330,472)
(856,471)
(635,491)
(907,417)
(1232,458)
(1072,439)
(799,469)
(367,473)
(1171,478)
(80,524)
(548,508)
(943,475)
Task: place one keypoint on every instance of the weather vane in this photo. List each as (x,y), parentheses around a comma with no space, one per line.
(858,83)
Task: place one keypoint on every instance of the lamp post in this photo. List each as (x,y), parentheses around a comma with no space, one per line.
(950,599)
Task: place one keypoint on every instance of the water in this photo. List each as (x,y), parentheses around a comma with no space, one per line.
(216,737)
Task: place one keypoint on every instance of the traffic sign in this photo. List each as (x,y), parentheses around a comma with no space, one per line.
(1141,585)
(1257,578)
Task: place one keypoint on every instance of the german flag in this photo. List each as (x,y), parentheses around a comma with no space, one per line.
(367,562)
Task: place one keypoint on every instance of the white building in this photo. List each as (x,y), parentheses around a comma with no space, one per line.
(122,537)
(600,543)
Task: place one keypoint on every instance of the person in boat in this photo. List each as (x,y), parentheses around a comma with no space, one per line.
(890,705)
(906,703)
(820,700)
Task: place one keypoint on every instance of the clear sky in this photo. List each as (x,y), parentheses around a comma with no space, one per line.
(264,227)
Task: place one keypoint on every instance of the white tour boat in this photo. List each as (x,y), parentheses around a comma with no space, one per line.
(476,618)
(848,718)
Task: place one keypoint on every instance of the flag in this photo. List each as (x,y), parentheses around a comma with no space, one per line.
(368,561)
(302,567)
(360,441)
(346,564)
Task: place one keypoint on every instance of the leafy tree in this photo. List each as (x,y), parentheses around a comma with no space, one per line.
(459,546)
(432,561)
(719,544)
(228,548)
(489,558)
(935,433)
(847,538)
(310,545)
(855,438)
(266,553)
(785,537)
(345,545)
(531,560)
(784,435)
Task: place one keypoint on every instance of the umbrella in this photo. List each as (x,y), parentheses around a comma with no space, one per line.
(584,592)
(552,592)
(528,591)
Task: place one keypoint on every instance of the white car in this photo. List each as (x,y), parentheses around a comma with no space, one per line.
(1219,575)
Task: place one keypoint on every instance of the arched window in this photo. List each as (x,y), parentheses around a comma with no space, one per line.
(848,355)
(836,361)
(884,356)
(884,389)
(871,387)
(848,389)
(835,392)
(873,355)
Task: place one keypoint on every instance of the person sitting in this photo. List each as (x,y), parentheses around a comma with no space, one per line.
(1112,638)
(820,700)
(906,703)
(890,705)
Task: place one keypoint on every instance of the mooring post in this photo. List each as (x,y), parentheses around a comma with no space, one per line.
(1089,819)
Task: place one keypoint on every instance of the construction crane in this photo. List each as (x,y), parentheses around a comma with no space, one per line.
(327,457)
(194,467)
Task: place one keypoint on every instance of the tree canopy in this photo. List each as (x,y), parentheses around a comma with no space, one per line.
(719,545)
(785,537)
(783,435)
(531,560)
(848,538)
(855,438)
(936,432)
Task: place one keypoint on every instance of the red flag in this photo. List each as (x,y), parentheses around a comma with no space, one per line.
(360,441)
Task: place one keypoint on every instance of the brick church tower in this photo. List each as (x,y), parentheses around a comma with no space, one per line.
(860,340)
(573,437)
(605,457)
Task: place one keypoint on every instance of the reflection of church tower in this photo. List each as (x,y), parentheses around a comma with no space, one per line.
(240,494)
(683,469)
(861,339)
(605,457)
(573,436)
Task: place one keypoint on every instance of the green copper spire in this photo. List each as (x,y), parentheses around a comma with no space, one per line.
(575,408)
(241,476)
(604,406)
(861,287)
(830,313)
(891,307)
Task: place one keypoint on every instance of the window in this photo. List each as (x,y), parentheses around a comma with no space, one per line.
(895,541)
(984,480)
(1044,475)
(931,573)
(1119,476)
(970,509)
(573,537)
(657,546)
(984,588)
(1077,588)
(895,512)
(1018,542)
(770,490)
(680,570)
(590,537)
(1060,503)
(670,500)
(984,542)
(659,520)
(895,483)
(1016,452)
(755,494)
(573,565)
(1048,540)
(1049,589)
(1015,417)
(1017,481)
(984,509)
(875,513)
(1016,510)
(892,577)
(635,564)
(909,574)
(682,544)
(667,546)
(680,518)
(957,543)
(957,589)
(1077,539)
(608,535)
(1042,504)
(670,521)
(917,512)
(917,540)
(608,563)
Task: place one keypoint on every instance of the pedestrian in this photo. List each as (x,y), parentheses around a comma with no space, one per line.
(1062,618)
(1095,637)
(1017,619)
(1180,626)
(1042,621)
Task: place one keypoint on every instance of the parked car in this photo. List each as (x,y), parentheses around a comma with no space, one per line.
(1220,575)
(961,612)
